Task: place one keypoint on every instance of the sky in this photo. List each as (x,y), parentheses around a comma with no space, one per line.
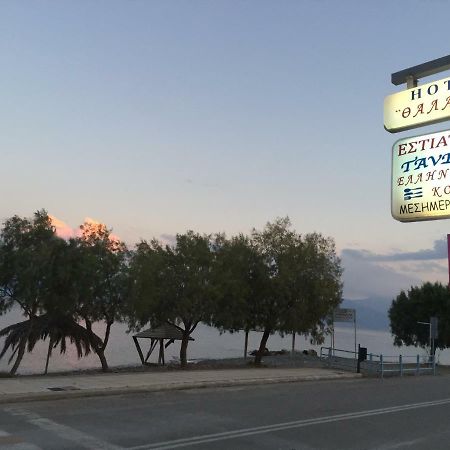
(155,117)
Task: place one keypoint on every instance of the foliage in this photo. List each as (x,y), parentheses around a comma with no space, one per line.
(50,278)
(274,280)
(418,305)
(278,280)
(100,271)
(173,284)
(240,279)
(28,249)
(58,328)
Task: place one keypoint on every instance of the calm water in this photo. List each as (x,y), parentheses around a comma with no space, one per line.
(209,343)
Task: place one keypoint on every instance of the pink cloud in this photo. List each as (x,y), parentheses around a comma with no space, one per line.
(112,237)
(65,231)
(62,229)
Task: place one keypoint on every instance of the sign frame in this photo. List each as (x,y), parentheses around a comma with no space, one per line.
(417,106)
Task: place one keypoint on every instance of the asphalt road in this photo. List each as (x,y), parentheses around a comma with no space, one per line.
(408,413)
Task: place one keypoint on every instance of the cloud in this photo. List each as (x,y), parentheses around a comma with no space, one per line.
(368,274)
(62,229)
(65,231)
(364,278)
(168,239)
(439,251)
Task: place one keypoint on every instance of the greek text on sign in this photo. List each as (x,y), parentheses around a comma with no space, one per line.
(418,106)
(421,177)
(344,315)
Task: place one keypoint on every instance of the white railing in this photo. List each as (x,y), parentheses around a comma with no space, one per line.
(378,364)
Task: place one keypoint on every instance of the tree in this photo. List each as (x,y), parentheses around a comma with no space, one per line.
(173,284)
(240,279)
(27,262)
(278,280)
(58,328)
(418,305)
(101,265)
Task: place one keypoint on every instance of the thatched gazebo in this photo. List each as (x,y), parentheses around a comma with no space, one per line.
(167,331)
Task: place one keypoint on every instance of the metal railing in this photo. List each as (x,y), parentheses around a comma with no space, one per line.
(338,358)
(378,365)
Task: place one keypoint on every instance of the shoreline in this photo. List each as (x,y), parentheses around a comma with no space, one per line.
(271,361)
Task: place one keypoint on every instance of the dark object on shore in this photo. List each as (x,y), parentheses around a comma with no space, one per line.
(267,352)
(310,352)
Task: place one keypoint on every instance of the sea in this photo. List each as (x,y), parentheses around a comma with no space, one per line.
(209,343)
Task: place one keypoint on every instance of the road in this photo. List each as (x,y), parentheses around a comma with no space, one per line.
(409,413)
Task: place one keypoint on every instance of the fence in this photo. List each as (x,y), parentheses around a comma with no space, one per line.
(378,365)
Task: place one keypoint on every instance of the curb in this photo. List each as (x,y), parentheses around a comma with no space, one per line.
(103,392)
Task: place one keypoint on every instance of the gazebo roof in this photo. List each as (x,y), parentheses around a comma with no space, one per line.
(164,331)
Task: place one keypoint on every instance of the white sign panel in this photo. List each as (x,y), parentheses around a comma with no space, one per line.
(415,107)
(344,315)
(421,177)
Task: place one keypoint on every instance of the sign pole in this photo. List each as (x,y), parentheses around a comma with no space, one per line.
(448,258)
(356,354)
(332,335)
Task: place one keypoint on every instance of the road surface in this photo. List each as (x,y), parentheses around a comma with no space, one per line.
(408,413)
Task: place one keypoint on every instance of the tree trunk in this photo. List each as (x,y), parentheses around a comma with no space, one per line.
(49,352)
(183,349)
(262,347)
(99,350)
(101,355)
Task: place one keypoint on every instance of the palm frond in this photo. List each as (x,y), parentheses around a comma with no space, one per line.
(57,327)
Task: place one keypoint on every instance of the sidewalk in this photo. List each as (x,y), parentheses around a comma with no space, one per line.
(28,388)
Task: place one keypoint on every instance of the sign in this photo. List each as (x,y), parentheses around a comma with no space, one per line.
(344,315)
(418,106)
(421,177)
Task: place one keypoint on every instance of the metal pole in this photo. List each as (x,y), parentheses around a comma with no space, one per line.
(418,365)
(333,337)
(381,365)
(293,344)
(430,341)
(411,82)
(246,344)
(355,333)
(429,337)
(401,365)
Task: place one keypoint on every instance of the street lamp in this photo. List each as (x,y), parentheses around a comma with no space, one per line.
(433,327)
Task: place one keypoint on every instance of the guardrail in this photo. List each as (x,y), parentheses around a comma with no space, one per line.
(380,365)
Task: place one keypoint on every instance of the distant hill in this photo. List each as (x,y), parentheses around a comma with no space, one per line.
(371,313)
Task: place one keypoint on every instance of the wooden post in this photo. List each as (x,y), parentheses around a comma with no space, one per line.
(153,343)
(161,352)
(139,349)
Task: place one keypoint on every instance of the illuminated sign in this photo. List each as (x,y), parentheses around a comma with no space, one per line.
(421,177)
(418,106)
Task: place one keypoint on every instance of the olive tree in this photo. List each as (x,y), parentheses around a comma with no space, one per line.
(277,280)
(418,304)
(173,283)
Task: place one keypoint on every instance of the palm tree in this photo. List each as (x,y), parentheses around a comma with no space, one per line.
(57,327)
